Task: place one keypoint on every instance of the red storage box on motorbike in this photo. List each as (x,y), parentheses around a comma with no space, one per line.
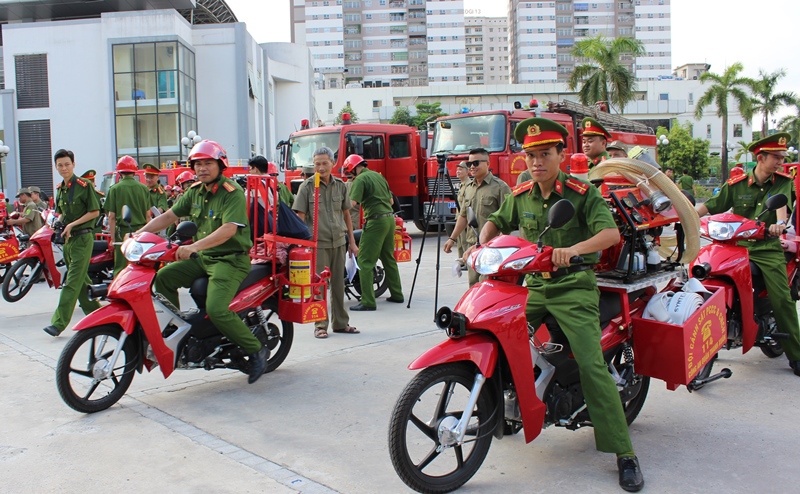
(676,354)
(402,242)
(304,301)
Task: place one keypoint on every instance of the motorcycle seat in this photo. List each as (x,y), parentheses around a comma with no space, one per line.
(199,288)
(99,247)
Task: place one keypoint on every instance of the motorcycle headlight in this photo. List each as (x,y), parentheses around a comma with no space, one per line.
(489,260)
(133,250)
(719,230)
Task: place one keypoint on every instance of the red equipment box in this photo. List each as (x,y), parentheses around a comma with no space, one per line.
(674,353)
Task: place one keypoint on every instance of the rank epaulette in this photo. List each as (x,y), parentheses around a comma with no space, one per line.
(228,186)
(523,187)
(784,175)
(577,185)
(737,179)
(82,183)
(196,184)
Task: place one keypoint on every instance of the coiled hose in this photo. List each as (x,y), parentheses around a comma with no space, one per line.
(637,172)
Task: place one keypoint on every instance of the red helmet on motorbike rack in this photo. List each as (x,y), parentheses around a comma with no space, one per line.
(127,164)
(351,162)
(205,150)
(272,168)
(184,177)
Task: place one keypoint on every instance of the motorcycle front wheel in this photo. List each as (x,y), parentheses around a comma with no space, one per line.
(84,376)
(436,395)
(20,278)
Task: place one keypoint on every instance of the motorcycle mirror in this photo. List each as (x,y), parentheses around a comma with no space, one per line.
(560,213)
(777,201)
(186,230)
(126,214)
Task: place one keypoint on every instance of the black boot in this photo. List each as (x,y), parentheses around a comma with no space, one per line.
(630,475)
(258,364)
(795,365)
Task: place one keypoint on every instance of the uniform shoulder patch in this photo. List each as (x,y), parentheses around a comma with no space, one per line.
(784,175)
(82,183)
(737,179)
(523,187)
(228,186)
(577,185)
(196,184)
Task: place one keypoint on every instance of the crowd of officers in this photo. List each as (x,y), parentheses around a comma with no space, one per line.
(569,294)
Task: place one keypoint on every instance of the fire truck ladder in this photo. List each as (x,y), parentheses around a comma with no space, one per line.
(615,122)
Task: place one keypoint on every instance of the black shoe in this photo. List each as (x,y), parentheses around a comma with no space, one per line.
(795,365)
(258,364)
(390,299)
(361,307)
(630,475)
(52,331)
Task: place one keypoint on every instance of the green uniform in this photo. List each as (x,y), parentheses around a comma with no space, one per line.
(748,198)
(484,199)
(42,205)
(157,198)
(371,190)
(31,212)
(685,182)
(573,299)
(74,198)
(127,192)
(334,202)
(599,159)
(226,265)
(285,195)
(524,177)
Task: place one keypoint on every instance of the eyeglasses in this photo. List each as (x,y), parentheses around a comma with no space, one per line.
(476,163)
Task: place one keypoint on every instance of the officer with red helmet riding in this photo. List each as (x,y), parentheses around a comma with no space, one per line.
(217,205)
(127,192)
(371,190)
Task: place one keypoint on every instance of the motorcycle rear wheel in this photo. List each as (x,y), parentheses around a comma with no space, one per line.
(20,278)
(633,401)
(434,394)
(379,281)
(85,354)
(279,336)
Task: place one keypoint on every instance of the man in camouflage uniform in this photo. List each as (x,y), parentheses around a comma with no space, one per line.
(77,203)
(747,194)
(570,294)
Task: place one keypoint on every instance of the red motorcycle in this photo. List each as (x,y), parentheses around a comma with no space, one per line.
(141,328)
(495,374)
(12,241)
(725,265)
(45,256)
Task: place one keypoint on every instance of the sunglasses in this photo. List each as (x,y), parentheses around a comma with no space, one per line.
(476,163)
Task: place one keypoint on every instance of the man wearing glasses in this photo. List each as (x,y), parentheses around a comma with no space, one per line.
(484,194)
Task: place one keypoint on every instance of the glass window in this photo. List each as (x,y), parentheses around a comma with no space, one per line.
(144,57)
(123,58)
(166,56)
(147,133)
(144,91)
(123,90)
(126,135)
(169,135)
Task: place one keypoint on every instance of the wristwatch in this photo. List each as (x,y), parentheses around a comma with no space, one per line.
(781,222)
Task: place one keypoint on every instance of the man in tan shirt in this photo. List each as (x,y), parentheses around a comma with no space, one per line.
(484,194)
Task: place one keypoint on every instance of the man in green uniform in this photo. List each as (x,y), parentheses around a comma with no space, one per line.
(76,202)
(593,140)
(747,194)
(89,176)
(570,294)
(37,198)
(31,218)
(127,192)
(686,182)
(333,225)
(371,190)
(217,206)
(484,194)
(157,196)
(260,166)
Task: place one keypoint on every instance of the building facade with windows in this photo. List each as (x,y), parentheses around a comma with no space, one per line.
(134,83)
(487,50)
(543,35)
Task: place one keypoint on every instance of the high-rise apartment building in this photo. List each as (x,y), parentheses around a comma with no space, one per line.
(382,42)
(543,34)
(488,58)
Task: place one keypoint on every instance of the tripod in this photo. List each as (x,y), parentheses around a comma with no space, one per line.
(442,186)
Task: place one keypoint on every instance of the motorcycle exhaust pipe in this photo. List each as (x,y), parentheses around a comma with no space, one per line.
(453,323)
(97,292)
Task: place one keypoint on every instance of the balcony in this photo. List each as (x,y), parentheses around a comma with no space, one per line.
(402,56)
(398,29)
(352,29)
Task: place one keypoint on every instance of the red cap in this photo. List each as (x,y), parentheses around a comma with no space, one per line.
(579,163)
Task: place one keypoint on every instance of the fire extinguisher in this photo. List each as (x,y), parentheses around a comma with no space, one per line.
(301,262)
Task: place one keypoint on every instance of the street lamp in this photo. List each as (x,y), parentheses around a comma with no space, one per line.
(791,150)
(662,140)
(190,140)
(4,150)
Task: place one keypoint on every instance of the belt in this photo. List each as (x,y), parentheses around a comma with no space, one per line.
(376,216)
(80,232)
(548,275)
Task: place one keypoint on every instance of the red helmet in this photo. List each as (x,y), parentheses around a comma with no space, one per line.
(186,176)
(168,188)
(351,162)
(272,168)
(205,150)
(127,164)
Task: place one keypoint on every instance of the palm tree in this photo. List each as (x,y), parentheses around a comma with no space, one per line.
(742,152)
(723,87)
(604,77)
(791,123)
(765,100)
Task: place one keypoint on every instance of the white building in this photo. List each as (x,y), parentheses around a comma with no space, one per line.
(487,50)
(135,83)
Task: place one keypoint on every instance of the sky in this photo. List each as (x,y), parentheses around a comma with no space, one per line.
(710,31)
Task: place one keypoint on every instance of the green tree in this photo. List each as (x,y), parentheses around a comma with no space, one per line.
(765,100)
(402,116)
(741,154)
(604,76)
(427,112)
(346,109)
(683,151)
(722,88)
(791,123)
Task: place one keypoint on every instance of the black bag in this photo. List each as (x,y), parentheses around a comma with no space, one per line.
(289,224)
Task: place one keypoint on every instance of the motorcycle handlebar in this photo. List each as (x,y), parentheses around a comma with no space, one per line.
(194,255)
(576,260)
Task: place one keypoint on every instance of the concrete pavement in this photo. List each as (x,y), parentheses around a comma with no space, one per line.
(319,423)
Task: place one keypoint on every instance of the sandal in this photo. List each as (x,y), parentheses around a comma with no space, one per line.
(349,329)
(320,333)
